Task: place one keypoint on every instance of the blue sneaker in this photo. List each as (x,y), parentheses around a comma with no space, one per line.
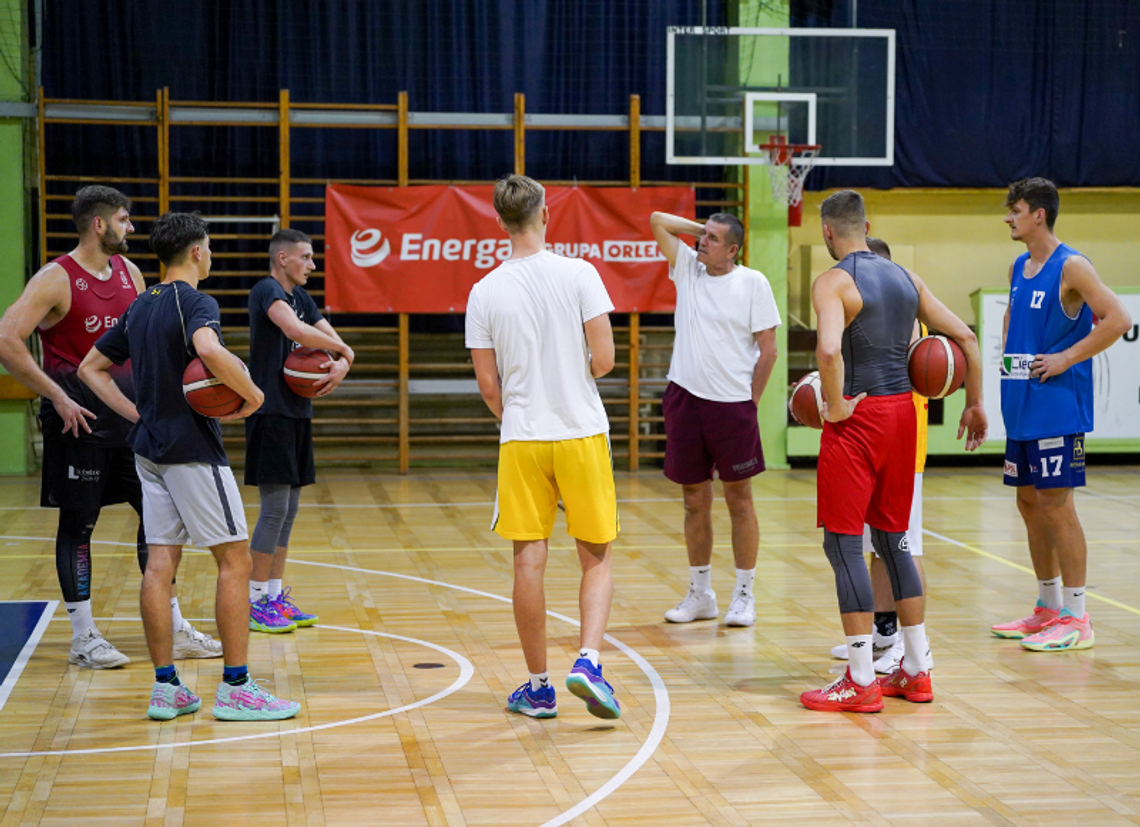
(585,680)
(535,703)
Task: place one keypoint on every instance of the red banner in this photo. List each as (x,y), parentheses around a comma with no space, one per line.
(420,249)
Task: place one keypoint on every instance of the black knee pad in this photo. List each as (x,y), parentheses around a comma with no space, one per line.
(893,550)
(73,553)
(852,580)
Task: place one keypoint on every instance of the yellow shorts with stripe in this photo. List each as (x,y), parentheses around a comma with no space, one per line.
(534,474)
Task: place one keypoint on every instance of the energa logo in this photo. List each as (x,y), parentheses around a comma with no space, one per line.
(369,248)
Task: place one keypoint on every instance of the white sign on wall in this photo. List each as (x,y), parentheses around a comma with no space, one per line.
(1116,373)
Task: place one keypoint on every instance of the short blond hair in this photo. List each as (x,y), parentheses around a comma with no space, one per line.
(518,200)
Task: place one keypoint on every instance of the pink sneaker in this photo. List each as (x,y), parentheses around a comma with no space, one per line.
(1031,625)
(1065,632)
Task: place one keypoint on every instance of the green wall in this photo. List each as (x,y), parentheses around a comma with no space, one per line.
(767,245)
(13,415)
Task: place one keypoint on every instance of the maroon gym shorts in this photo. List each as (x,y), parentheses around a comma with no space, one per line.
(701,434)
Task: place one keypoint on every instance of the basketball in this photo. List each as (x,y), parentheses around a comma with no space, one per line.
(937,366)
(205,393)
(303,369)
(806,401)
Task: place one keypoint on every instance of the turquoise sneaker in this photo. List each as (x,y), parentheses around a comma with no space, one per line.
(288,610)
(250,702)
(585,680)
(535,704)
(264,617)
(168,701)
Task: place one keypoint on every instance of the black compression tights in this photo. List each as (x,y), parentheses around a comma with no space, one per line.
(73,551)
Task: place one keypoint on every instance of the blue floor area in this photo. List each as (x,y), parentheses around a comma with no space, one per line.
(18,620)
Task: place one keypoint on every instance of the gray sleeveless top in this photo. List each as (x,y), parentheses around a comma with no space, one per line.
(876,341)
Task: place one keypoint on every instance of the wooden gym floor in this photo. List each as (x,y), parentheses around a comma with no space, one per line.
(405,575)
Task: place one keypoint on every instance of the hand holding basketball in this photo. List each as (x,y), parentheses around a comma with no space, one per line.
(937,366)
(206,394)
(307,370)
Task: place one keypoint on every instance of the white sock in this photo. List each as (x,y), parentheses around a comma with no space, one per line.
(539,681)
(1075,601)
(917,657)
(744,578)
(79,614)
(700,578)
(860,660)
(257,590)
(176,619)
(1049,593)
(274,589)
(592,654)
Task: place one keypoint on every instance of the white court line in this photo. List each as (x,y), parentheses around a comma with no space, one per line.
(466,671)
(652,742)
(29,647)
(660,693)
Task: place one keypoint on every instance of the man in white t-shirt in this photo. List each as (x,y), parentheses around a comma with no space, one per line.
(538,327)
(723,353)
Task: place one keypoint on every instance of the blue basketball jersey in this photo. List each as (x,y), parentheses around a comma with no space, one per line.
(1060,405)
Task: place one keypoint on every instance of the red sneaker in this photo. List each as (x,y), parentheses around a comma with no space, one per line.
(915,688)
(1017,629)
(844,695)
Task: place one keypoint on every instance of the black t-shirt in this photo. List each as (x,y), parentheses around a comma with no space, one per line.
(156,334)
(268,347)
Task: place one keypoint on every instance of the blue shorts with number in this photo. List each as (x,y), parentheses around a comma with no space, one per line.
(1057,462)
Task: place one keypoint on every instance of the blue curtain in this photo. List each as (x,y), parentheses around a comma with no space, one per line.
(989,91)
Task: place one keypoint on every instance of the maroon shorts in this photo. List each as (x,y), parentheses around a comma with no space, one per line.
(701,434)
(866,467)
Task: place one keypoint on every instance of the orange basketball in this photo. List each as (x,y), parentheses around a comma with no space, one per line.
(937,366)
(205,392)
(303,369)
(806,401)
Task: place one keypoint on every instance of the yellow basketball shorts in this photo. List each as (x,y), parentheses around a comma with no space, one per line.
(533,475)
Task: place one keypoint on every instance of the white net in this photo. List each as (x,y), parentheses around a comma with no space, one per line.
(788,166)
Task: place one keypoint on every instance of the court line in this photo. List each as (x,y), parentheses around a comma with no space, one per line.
(662,703)
(251,506)
(1026,569)
(466,672)
(660,693)
(27,650)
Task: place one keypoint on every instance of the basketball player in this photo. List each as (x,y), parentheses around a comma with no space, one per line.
(279,436)
(538,327)
(723,353)
(1047,406)
(866,308)
(87,462)
(189,492)
(887,644)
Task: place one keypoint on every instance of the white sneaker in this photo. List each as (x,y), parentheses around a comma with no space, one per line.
(190,643)
(879,647)
(890,660)
(91,650)
(694,607)
(742,611)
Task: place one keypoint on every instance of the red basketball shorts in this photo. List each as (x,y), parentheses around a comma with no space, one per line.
(866,467)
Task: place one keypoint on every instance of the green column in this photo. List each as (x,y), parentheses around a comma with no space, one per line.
(767,242)
(13,37)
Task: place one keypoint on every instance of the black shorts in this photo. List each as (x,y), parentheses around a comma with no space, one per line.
(279,450)
(85,475)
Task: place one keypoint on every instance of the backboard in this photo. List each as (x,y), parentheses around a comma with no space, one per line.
(731,89)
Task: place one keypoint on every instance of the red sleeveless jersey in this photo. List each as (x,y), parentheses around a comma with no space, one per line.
(96,306)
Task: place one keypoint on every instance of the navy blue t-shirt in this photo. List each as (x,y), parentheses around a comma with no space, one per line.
(156,334)
(268,347)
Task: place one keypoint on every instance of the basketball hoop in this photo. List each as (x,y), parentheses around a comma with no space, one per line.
(788,166)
